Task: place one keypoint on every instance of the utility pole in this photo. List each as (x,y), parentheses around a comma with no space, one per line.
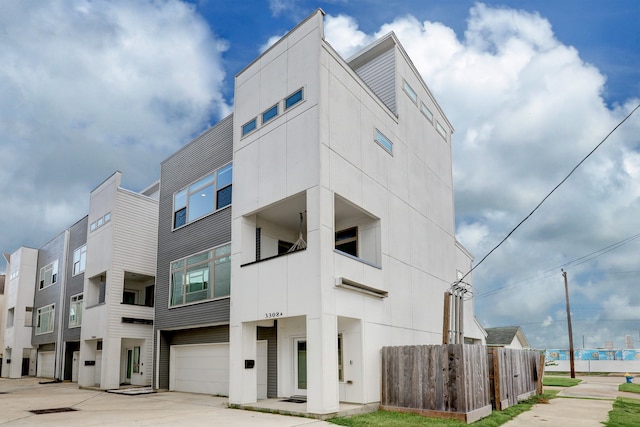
(566,291)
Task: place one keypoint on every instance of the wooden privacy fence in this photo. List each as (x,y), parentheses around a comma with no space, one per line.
(449,381)
(514,375)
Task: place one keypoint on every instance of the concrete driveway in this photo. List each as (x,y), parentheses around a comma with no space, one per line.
(587,404)
(98,408)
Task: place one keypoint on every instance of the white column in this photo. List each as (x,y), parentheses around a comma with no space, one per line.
(111,363)
(322,364)
(243,382)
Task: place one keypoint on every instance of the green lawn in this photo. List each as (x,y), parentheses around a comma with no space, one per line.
(630,387)
(625,413)
(560,381)
(393,419)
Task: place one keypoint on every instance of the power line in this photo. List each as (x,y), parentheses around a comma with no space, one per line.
(568,265)
(551,192)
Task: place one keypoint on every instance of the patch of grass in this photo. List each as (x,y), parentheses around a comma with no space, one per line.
(560,381)
(394,419)
(630,387)
(625,413)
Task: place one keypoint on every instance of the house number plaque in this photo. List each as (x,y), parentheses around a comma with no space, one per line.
(273,315)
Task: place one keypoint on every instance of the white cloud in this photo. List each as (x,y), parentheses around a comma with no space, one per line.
(527,108)
(90,88)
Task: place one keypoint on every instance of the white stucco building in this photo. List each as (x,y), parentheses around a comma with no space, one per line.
(19,357)
(116,340)
(343,218)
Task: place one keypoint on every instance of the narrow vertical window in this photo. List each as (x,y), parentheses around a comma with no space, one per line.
(410,92)
(441,130)
(426,112)
(79,259)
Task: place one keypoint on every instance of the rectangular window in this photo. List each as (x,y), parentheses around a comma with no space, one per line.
(136,360)
(75,311)
(203,197)
(28,316)
(427,113)
(10,317)
(250,126)
(45,317)
(79,259)
(201,277)
(270,114)
(49,275)
(441,130)
(293,99)
(383,141)
(347,241)
(410,92)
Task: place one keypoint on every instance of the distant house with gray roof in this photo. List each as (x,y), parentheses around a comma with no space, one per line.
(507,337)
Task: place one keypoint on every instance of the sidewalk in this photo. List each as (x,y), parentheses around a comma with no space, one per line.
(587,404)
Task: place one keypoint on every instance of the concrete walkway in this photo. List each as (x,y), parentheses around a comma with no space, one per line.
(98,408)
(587,404)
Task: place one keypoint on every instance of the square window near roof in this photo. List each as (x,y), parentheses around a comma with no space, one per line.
(249,127)
(270,114)
(384,141)
(409,91)
(293,99)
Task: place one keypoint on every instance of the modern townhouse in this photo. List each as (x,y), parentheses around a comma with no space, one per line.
(193,279)
(116,335)
(348,164)
(73,299)
(48,306)
(19,355)
(339,239)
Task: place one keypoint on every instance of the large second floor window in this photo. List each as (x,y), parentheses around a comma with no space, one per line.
(203,197)
(49,274)
(75,311)
(79,259)
(201,277)
(44,319)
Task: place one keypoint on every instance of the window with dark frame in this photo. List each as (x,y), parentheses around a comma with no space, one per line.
(205,196)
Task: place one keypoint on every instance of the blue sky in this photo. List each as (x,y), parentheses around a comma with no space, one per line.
(90,87)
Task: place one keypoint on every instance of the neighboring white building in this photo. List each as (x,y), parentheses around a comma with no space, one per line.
(19,357)
(116,339)
(348,164)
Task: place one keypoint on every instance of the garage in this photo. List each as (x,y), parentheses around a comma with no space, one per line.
(204,368)
(199,368)
(46,364)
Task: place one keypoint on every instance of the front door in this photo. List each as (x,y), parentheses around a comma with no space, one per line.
(300,366)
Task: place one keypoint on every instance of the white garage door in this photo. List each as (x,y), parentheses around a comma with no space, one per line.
(46,364)
(199,368)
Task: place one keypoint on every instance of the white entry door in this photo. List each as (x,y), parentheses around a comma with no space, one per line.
(75,365)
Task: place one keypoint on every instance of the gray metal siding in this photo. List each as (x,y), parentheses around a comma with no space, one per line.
(211,335)
(52,251)
(74,284)
(271,335)
(380,75)
(208,152)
